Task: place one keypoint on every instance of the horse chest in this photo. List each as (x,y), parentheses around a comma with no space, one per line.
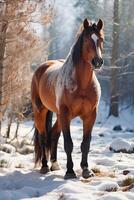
(84,101)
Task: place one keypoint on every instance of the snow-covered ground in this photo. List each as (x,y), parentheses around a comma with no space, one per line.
(19,179)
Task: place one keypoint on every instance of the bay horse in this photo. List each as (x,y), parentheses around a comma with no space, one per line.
(68,88)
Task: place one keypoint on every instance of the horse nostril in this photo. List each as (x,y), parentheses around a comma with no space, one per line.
(101,62)
(93,62)
(97,62)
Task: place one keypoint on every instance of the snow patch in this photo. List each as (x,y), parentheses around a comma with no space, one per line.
(105,161)
(49,196)
(121,145)
(26,149)
(7,148)
(108,186)
(113,196)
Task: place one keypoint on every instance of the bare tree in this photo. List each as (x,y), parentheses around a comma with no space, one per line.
(20,46)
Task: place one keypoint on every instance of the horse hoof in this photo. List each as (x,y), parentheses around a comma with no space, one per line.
(70,176)
(55,166)
(44,170)
(87,173)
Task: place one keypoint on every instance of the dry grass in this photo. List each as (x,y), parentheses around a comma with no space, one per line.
(19,166)
(99,173)
(128,181)
(96,170)
(4,163)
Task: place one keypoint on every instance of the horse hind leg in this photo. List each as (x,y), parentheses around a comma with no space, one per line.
(49,117)
(55,134)
(41,138)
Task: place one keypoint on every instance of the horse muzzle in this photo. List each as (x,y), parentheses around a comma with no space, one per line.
(97,62)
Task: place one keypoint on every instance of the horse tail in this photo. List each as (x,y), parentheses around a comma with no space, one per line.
(37,146)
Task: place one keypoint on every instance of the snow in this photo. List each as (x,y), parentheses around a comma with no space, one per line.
(7,148)
(20,180)
(105,161)
(113,196)
(120,144)
(108,186)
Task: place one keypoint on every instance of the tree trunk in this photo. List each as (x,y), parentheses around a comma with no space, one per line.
(114,99)
(9,125)
(3,31)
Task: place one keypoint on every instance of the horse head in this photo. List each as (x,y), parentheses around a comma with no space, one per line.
(93,42)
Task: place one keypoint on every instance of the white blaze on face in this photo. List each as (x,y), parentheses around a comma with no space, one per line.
(95,38)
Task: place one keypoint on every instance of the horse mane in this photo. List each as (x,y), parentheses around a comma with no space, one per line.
(77,48)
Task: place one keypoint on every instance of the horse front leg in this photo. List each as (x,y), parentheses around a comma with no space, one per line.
(68,143)
(88,123)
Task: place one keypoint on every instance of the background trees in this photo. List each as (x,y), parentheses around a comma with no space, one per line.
(117,74)
(21,44)
(32,31)
(114,96)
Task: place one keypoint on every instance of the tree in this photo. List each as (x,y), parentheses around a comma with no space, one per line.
(114,98)
(20,46)
(3,31)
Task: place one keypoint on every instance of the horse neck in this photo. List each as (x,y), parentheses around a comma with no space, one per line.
(84,73)
(79,76)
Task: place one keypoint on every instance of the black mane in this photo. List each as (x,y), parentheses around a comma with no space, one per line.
(77,50)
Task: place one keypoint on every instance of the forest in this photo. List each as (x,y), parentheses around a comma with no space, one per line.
(32,32)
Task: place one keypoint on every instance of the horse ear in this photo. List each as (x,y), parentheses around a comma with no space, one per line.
(100,24)
(86,23)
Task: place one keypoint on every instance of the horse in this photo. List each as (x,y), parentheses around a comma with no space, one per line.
(68,88)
